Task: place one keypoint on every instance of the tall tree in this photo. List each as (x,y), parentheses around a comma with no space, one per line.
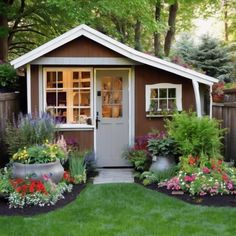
(171,23)
(24,24)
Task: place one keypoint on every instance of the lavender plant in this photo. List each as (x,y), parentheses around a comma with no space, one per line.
(27,131)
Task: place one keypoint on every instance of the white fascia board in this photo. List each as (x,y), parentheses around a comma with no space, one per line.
(115,46)
(84,61)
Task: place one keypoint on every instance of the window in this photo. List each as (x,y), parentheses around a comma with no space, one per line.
(112,97)
(69,95)
(163,97)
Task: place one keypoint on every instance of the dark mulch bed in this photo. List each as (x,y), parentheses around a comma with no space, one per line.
(35,210)
(207,200)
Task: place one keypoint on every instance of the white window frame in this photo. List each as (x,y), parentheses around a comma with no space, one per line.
(178,88)
(69,126)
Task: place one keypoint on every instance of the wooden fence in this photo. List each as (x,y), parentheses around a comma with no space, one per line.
(9,105)
(226,112)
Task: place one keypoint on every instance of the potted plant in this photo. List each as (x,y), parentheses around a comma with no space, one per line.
(38,162)
(218,92)
(163,151)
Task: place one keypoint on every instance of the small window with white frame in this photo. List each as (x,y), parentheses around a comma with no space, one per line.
(163,98)
(68,95)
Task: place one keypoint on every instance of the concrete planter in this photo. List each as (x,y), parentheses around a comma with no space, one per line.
(162,163)
(38,171)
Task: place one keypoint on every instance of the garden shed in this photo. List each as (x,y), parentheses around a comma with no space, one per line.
(105,93)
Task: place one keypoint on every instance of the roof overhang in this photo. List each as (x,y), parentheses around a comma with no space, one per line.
(84,30)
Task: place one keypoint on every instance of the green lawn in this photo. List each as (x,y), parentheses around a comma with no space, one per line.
(124,209)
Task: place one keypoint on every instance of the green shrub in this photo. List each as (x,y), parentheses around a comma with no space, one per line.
(150,177)
(28,131)
(138,158)
(77,166)
(165,146)
(195,135)
(8,77)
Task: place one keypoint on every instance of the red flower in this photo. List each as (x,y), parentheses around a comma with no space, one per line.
(225,178)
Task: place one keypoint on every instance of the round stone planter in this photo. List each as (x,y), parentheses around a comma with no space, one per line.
(162,163)
(37,171)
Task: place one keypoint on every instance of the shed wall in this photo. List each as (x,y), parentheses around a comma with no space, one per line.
(148,75)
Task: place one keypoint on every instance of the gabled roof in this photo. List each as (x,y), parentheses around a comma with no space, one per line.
(84,30)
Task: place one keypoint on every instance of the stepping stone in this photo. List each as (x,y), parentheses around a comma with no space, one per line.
(112,175)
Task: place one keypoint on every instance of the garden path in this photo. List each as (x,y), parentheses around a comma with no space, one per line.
(113,175)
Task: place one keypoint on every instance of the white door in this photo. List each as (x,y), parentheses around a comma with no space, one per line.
(112,133)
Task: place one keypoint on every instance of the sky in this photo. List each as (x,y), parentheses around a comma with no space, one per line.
(211,26)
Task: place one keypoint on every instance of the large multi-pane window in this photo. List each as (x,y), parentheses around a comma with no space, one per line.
(69,95)
(163,97)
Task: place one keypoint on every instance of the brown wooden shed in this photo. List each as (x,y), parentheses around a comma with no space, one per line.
(105,93)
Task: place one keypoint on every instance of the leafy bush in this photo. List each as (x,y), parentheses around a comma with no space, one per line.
(165,146)
(8,77)
(28,131)
(77,166)
(150,177)
(138,158)
(195,135)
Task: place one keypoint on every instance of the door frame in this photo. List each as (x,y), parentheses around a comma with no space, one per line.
(131,99)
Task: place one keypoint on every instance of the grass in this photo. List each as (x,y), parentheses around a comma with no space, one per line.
(124,209)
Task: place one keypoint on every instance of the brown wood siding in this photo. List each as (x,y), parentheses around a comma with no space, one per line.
(82,47)
(148,75)
(34,90)
(83,137)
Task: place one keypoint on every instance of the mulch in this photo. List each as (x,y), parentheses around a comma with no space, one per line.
(35,210)
(206,200)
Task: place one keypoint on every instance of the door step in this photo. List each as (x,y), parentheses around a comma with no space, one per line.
(114,175)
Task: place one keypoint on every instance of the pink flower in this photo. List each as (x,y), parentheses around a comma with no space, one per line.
(188,178)
(205,170)
(230,185)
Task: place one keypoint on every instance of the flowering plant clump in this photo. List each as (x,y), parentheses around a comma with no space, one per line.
(199,176)
(39,154)
(28,192)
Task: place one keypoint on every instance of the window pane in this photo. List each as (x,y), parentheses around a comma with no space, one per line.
(76,98)
(163,104)
(61,115)
(117,97)
(106,111)
(85,74)
(154,93)
(171,104)
(51,79)
(116,111)
(154,106)
(172,93)
(106,97)
(51,98)
(75,75)
(117,83)
(60,76)
(84,97)
(163,93)
(61,99)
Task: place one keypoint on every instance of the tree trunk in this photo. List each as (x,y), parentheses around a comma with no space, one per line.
(225,2)
(171,23)
(137,36)
(3,38)
(157,35)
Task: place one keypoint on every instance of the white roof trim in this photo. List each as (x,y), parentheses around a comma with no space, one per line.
(84,30)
